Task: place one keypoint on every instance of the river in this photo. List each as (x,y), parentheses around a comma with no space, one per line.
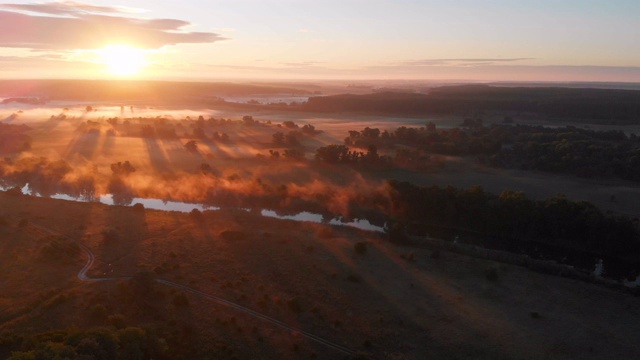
(185,207)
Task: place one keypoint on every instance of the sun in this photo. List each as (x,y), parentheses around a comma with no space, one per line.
(123,60)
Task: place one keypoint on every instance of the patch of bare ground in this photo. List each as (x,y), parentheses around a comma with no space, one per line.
(350,287)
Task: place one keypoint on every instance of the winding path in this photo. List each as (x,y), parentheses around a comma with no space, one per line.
(82,275)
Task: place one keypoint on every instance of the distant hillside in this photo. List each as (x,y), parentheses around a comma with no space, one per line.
(598,104)
(105,90)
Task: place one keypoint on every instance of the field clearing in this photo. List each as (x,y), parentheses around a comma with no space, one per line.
(58,139)
(466,172)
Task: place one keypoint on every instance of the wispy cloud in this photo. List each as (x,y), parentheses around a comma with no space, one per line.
(461,61)
(76,25)
(67,8)
(302,63)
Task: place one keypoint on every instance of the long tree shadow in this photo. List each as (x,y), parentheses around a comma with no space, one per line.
(156,155)
(83,144)
(176,152)
(108,145)
(124,232)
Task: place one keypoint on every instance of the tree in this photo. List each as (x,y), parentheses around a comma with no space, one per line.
(122,168)
(332,153)
(289,124)
(372,154)
(248,120)
(309,129)
(206,168)
(371,133)
(199,133)
(133,343)
(120,191)
(291,138)
(278,139)
(191,146)
(293,154)
(147,131)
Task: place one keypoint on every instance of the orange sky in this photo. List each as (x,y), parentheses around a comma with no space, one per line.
(544,40)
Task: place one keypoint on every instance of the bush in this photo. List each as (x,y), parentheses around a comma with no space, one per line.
(360,247)
(118,321)
(535,315)
(491,274)
(137,207)
(14,191)
(180,300)
(295,305)
(397,233)
(408,256)
(233,235)
(196,215)
(109,234)
(98,311)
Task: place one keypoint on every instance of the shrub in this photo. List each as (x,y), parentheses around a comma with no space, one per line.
(295,305)
(98,311)
(491,274)
(408,256)
(535,315)
(196,215)
(180,300)
(109,234)
(397,233)
(233,235)
(360,247)
(117,321)
(14,191)
(137,207)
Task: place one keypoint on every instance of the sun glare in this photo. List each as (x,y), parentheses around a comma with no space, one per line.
(123,60)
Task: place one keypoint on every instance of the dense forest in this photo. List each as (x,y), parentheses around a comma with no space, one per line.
(13,138)
(567,150)
(127,91)
(610,105)
(575,232)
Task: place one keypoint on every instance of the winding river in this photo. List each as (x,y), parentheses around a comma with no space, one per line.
(185,207)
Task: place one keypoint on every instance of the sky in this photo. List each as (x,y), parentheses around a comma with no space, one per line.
(201,40)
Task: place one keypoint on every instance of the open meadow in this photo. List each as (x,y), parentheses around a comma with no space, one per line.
(90,142)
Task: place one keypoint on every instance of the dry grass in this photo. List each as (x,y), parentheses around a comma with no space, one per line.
(300,273)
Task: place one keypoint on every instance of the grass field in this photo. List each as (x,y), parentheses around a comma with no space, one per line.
(93,153)
(391,301)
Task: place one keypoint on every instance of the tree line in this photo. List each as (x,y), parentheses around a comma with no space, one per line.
(558,228)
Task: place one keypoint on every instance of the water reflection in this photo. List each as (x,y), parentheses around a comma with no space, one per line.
(185,207)
(362,224)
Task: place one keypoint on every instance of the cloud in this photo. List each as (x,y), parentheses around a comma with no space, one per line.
(461,61)
(302,63)
(66,8)
(44,64)
(75,25)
